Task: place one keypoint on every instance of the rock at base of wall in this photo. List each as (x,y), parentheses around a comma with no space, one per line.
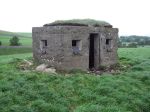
(41,67)
(50,70)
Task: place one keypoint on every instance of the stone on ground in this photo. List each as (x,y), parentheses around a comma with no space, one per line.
(50,70)
(41,67)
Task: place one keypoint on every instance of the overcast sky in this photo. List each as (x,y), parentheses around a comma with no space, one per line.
(130,16)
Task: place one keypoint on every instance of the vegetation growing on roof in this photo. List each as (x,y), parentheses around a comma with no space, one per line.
(79,22)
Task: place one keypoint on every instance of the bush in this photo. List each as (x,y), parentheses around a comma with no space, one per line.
(0,43)
(14,41)
(132,45)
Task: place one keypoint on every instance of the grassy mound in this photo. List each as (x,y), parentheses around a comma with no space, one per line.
(79,22)
(40,92)
(30,91)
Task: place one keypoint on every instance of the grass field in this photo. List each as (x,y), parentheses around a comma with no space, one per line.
(8,58)
(141,53)
(10,51)
(25,38)
(25,41)
(30,91)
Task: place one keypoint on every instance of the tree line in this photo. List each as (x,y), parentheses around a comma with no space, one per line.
(133,41)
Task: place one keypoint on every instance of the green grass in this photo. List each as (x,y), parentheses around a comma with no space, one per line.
(10,51)
(8,58)
(23,40)
(141,53)
(31,91)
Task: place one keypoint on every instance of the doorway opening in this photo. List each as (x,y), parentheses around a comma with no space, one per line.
(93,40)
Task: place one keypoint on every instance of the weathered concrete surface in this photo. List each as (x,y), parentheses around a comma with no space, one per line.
(59,53)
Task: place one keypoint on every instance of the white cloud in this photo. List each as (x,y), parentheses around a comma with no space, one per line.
(130,16)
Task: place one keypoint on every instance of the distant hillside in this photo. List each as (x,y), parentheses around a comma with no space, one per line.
(6,33)
(24,34)
(19,34)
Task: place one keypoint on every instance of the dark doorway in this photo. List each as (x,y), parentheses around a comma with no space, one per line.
(92,50)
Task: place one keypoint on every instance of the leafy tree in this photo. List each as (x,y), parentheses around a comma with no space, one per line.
(0,43)
(14,41)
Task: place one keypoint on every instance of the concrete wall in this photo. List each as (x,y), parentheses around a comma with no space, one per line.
(108,53)
(59,51)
